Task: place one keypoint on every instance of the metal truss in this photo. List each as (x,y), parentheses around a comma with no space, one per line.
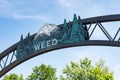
(8,57)
(106,33)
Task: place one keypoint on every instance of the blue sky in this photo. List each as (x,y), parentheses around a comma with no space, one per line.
(22,16)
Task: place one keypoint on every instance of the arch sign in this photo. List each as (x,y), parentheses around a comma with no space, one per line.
(51,35)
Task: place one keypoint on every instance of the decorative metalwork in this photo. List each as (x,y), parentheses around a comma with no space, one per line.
(76,33)
(51,35)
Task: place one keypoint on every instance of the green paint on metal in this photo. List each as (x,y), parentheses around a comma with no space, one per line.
(59,36)
(77,31)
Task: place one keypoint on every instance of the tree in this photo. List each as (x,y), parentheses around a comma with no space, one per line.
(43,72)
(13,77)
(65,31)
(84,70)
(77,32)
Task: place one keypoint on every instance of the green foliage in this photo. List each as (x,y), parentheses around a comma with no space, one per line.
(43,72)
(13,77)
(84,70)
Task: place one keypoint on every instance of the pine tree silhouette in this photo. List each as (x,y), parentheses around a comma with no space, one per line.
(65,31)
(21,37)
(76,34)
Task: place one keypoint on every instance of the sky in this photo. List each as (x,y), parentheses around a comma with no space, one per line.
(22,16)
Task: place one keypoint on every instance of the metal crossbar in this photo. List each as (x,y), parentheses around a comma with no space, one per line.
(105,31)
(93,30)
(116,34)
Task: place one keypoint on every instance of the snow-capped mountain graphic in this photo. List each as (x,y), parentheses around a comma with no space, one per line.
(46,30)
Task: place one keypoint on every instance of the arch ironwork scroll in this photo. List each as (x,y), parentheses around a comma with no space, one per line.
(79,32)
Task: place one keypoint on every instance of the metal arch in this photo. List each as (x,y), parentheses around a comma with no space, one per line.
(83,43)
(92,20)
(86,21)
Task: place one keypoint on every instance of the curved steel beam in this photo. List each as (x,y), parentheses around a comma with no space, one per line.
(12,48)
(82,43)
(106,18)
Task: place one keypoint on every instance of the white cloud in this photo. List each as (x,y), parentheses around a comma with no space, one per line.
(3,4)
(83,8)
(66,3)
(32,17)
(5,8)
(10,10)
(116,68)
(116,71)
